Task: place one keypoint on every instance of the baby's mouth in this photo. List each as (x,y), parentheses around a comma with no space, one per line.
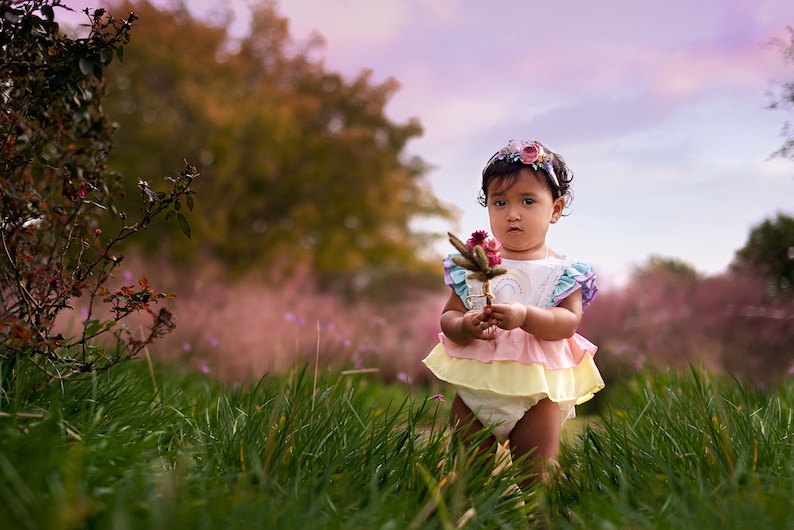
(514,229)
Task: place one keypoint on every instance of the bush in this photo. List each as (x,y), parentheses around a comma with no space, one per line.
(55,138)
(668,317)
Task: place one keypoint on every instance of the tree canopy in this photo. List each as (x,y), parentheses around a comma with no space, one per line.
(769,252)
(299,165)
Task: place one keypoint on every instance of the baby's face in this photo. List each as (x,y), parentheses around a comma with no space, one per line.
(521,214)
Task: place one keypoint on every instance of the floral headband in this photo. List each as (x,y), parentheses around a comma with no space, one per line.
(531,154)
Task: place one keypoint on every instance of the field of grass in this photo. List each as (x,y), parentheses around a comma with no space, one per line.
(161,449)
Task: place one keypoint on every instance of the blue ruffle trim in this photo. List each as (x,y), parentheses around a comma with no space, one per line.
(575,276)
(455,277)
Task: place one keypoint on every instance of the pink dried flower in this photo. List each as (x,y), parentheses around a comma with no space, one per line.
(478,237)
(480,262)
(492,247)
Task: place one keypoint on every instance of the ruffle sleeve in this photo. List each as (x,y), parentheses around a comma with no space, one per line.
(577,275)
(455,277)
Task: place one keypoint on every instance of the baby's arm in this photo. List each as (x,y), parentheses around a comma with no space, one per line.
(462,326)
(553,323)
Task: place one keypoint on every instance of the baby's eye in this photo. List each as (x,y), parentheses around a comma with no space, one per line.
(529,201)
(499,202)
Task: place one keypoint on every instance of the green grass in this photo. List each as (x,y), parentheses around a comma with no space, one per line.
(681,450)
(672,450)
(116,453)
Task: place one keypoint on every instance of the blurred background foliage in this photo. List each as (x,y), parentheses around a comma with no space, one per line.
(300,166)
(307,193)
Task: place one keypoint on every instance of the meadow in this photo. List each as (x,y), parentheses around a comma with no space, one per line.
(288,403)
(271,407)
(149,445)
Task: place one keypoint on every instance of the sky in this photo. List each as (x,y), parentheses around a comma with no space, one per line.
(659,108)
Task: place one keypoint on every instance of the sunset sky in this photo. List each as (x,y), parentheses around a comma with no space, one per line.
(660,108)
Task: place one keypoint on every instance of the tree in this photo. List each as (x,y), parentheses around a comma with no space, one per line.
(770,251)
(299,164)
(785,99)
(54,139)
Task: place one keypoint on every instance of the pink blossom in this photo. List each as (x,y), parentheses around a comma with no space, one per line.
(437,397)
(358,363)
(530,152)
(82,193)
(492,247)
(404,378)
(477,238)
(97,231)
(291,317)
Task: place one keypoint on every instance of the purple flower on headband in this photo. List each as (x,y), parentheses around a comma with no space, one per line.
(513,146)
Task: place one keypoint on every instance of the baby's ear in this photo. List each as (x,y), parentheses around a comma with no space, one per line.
(557,209)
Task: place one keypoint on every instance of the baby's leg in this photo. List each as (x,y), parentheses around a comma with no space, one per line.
(538,430)
(467,426)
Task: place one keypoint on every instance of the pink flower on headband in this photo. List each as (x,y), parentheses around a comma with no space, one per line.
(530,153)
(524,152)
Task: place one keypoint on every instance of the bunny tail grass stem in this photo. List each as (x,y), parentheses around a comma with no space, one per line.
(478,263)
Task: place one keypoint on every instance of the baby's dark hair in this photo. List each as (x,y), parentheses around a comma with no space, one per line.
(507,170)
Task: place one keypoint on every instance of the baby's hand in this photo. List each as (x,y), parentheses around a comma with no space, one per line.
(479,324)
(509,315)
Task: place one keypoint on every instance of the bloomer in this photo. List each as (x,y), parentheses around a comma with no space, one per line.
(502,413)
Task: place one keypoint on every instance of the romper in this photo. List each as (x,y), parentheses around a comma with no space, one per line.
(500,379)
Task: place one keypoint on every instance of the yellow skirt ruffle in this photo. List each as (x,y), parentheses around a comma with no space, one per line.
(509,378)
